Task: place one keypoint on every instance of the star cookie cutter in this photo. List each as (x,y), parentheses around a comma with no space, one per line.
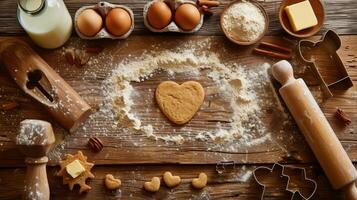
(294,192)
(332,43)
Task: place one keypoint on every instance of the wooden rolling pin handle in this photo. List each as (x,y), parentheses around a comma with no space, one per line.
(283,72)
(36,183)
(350,191)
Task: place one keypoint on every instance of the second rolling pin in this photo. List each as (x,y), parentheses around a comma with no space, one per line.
(316,130)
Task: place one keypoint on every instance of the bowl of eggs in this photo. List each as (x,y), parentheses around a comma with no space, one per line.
(172,16)
(104,20)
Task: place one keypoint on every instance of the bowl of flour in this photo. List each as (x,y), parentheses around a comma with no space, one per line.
(244,22)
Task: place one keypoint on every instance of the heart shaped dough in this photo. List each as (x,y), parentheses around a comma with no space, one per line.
(171,181)
(200,182)
(179,103)
(153,185)
(111,183)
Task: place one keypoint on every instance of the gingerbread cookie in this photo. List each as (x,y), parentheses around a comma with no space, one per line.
(76,170)
(179,103)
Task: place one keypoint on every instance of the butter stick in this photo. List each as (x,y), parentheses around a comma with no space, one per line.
(301,15)
(75,169)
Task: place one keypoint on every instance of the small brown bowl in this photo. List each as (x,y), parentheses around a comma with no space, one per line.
(235,40)
(319,11)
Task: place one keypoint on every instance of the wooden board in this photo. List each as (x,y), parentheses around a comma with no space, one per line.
(122,147)
(340,15)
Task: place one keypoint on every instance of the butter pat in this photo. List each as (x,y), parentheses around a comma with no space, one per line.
(301,15)
(75,169)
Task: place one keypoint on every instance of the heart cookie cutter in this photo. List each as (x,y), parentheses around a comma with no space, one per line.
(294,192)
(332,42)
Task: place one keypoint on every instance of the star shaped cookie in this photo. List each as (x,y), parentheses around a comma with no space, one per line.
(81,179)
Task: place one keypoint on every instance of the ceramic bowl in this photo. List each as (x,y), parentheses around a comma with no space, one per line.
(235,40)
(318,8)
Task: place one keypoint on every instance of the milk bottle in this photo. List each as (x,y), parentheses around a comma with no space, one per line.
(47,22)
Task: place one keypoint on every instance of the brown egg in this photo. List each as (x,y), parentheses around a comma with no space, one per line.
(89,22)
(159,15)
(187,16)
(118,21)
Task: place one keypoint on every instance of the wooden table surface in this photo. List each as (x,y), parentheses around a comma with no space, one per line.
(136,164)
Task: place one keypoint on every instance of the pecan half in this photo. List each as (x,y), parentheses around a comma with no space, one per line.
(70,56)
(95,144)
(81,58)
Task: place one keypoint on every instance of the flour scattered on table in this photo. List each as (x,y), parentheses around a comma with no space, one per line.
(246,89)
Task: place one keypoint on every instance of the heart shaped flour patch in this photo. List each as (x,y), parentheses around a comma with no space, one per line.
(179,103)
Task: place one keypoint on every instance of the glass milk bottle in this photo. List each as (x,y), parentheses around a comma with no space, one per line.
(47,22)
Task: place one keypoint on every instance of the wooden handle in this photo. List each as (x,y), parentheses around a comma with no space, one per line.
(350,191)
(36,183)
(36,78)
(315,127)
(283,72)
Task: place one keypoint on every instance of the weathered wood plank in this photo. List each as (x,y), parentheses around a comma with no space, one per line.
(238,183)
(340,15)
(122,147)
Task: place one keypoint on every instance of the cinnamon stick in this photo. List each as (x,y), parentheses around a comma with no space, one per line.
(341,115)
(208,3)
(275,47)
(272,54)
(9,106)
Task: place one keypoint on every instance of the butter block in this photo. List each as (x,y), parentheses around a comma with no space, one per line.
(75,169)
(301,15)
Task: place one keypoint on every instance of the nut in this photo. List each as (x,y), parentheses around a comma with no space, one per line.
(153,185)
(95,144)
(111,183)
(9,105)
(200,182)
(81,58)
(70,55)
(171,181)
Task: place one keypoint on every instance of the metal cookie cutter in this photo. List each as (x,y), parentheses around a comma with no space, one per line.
(294,192)
(331,42)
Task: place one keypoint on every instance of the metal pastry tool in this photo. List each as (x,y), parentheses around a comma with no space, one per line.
(37,79)
(330,42)
(281,169)
(316,129)
(35,139)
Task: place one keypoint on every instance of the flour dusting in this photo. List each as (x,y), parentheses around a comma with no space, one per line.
(245,88)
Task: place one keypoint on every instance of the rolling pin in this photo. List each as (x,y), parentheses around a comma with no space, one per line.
(316,130)
(35,139)
(37,79)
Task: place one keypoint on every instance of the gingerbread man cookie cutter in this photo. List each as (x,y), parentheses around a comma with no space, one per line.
(294,192)
(332,43)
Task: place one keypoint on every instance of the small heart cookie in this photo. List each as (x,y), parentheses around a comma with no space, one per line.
(153,185)
(200,182)
(171,181)
(111,183)
(179,103)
